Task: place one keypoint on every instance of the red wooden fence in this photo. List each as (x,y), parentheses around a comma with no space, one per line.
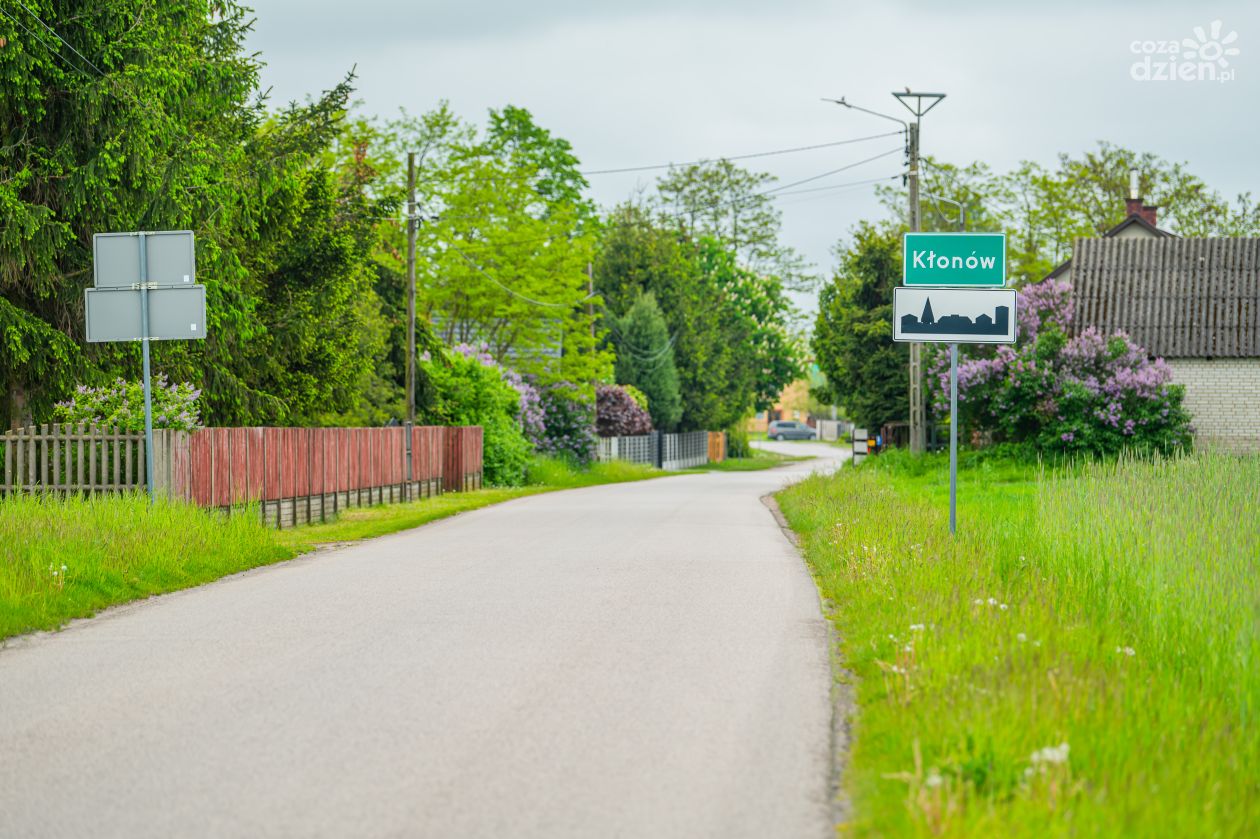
(303,474)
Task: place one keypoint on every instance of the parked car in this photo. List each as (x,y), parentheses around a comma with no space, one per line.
(790,430)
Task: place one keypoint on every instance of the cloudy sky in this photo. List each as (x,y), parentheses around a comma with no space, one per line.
(655,81)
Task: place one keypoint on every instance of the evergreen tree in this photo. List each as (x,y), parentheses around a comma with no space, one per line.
(154,122)
(866,372)
(645,359)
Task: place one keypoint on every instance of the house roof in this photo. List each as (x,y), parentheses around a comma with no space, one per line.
(1131,220)
(1178,298)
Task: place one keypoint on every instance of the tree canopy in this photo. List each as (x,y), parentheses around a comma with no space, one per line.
(1043,208)
(151,122)
(866,372)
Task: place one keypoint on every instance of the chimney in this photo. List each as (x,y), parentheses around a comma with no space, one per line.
(1134,206)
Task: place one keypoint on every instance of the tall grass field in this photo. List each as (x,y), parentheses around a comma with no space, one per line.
(1082,659)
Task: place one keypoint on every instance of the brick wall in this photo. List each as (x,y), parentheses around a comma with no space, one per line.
(1223,396)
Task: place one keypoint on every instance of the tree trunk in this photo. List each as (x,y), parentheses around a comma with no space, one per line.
(17,406)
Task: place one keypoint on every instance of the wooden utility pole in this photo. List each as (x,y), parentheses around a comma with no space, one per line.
(918,417)
(411,287)
(918,103)
(590,293)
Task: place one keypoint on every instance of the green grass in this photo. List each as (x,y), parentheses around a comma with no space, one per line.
(380,520)
(116,549)
(1131,632)
(761,459)
(542,475)
(66,559)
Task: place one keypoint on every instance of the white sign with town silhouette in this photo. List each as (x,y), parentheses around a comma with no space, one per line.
(954,315)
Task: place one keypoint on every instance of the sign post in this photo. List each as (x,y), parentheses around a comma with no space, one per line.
(145,290)
(954,292)
(144,352)
(953,438)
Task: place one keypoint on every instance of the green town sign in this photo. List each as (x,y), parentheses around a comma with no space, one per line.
(976,260)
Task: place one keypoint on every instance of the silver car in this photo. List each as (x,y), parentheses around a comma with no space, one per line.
(790,430)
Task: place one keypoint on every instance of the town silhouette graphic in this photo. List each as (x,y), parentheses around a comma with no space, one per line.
(927,323)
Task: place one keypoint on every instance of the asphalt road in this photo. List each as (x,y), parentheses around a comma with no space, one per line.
(644,660)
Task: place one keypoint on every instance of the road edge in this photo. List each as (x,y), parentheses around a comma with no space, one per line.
(843,699)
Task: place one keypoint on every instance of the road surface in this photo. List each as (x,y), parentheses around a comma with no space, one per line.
(642,660)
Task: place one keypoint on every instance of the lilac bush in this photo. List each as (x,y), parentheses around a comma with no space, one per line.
(121,404)
(569,419)
(531,409)
(558,419)
(1091,393)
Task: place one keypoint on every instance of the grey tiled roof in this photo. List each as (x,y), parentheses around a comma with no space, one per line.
(1178,298)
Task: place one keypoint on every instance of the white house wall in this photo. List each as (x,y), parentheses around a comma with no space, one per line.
(1223,397)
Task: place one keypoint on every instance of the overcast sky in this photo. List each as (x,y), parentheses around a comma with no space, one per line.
(655,81)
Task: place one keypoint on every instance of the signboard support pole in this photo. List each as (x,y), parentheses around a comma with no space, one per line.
(144,352)
(953,438)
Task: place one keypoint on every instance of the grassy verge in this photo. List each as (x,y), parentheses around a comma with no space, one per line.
(1082,660)
(543,475)
(761,459)
(70,558)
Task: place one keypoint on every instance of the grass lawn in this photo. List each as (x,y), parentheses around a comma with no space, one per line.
(1082,660)
(543,475)
(70,558)
(761,459)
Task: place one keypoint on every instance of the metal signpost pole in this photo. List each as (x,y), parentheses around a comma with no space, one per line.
(144,350)
(953,438)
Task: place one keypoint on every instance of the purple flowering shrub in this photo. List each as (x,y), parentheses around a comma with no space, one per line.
(557,419)
(469,388)
(121,404)
(530,414)
(1090,393)
(618,413)
(569,420)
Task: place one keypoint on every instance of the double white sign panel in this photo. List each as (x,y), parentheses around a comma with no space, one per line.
(954,315)
(177,304)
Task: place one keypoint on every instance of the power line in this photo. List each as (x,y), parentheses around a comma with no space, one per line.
(840,186)
(738,156)
(555,238)
(51,49)
(638,352)
(59,38)
(512,292)
(831,172)
(654,166)
(656,360)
